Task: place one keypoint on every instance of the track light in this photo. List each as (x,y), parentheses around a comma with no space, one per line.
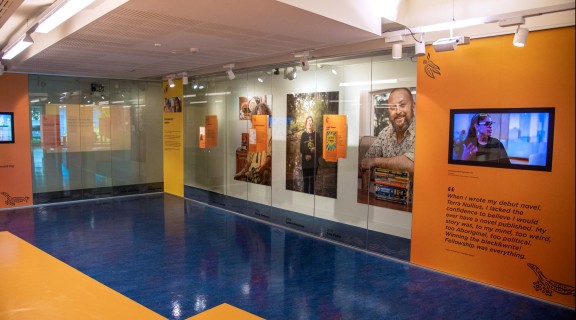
(520,37)
(171,82)
(304,64)
(521,34)
(184,78)
(290,75)
(229,72)
(420,46)
(397,51)
(396,41)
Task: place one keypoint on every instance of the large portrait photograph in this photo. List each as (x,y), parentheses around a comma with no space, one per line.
(520,138)
(254,156)
(247,105)
(386,155)
(306,169)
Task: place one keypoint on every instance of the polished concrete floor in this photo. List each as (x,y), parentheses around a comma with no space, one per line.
(179,258)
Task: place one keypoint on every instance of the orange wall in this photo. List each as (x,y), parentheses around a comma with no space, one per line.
(15,163)
(492,73)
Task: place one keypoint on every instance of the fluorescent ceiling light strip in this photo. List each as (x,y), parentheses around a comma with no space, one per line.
(16,49)
(62,14)
(218,93)
(453,25)
(367,83)
(198,102)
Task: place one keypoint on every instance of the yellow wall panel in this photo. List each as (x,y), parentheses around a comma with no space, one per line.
(173,139)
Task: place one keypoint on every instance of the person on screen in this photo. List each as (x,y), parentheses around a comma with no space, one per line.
(480,145)
(394,146)
(177,105)
(311,151)
(258,168)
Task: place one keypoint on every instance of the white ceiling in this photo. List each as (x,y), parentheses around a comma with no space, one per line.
(148,39)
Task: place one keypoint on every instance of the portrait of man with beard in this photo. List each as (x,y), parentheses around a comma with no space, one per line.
(394,146)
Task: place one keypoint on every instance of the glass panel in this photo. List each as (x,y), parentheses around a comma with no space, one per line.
(341,203)
(205,102)
(89,135)
(392,126)
(94,125)
(133,125)
(124,134)
(148,133)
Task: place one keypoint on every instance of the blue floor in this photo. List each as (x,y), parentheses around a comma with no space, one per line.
(179,258)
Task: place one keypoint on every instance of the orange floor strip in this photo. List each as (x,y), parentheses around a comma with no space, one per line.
(35,285)
(225,311)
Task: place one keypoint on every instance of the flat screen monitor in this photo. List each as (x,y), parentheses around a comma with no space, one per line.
(512,138)
(6,127)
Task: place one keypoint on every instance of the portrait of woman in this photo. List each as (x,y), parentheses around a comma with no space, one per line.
(479,144)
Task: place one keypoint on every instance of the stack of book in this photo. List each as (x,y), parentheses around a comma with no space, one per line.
(392,185)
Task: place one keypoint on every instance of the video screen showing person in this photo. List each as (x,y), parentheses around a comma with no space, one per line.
(505,138)
(6,127)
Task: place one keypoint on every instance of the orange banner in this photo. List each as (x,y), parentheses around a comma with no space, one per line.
(511,228)
(258,134)
(211,124)
(335,137)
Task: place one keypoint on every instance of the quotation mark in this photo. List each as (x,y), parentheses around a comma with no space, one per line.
(450,189)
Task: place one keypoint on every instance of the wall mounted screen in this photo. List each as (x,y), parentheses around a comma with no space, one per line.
(519,138)
(6,127)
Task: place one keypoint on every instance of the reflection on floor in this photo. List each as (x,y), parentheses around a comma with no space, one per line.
(179,258)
